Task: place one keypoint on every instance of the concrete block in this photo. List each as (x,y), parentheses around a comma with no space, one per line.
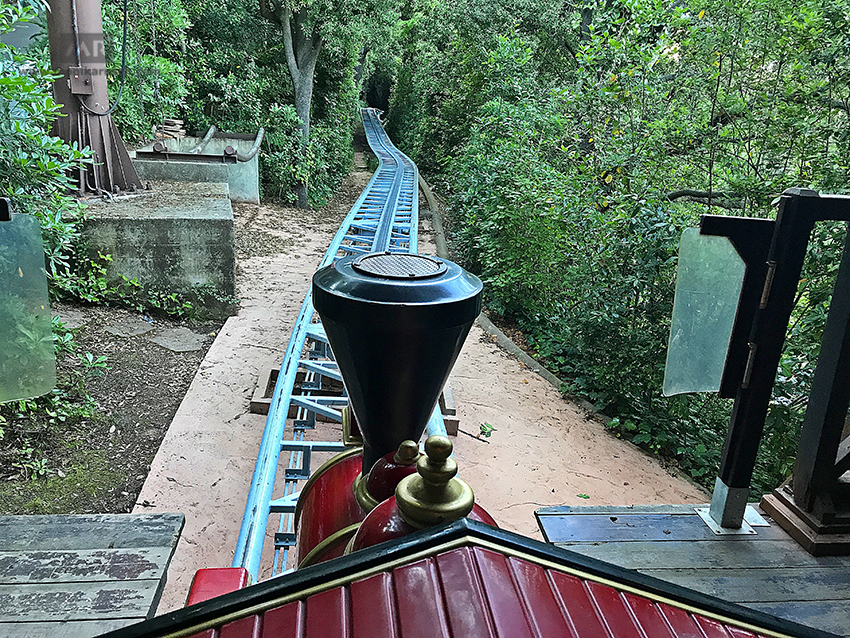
(175,238)
(176,171)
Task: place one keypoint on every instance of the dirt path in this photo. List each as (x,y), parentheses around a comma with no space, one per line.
(543,450)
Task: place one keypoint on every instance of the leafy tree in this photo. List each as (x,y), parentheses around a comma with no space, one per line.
(570,180)
(309,27)
(34,166)
(155,84)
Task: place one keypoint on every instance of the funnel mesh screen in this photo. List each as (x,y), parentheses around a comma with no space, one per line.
(399,266)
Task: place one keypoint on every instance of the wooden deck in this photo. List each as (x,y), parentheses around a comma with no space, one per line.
(80,576)
(767,571)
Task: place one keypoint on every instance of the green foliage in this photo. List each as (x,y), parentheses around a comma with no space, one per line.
(240,82)
(28,462)
(155,85)
(566,181)
(34,166)
(91,284)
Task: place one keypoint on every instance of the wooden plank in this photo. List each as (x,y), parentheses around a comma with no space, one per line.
(637,527)
(96,531)
(560,510)
(84,629)
(715,553)
(82,601)
(83,565)
(827,615)
(447,400)
(762,585)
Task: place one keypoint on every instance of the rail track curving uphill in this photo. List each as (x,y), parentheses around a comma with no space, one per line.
(384,218)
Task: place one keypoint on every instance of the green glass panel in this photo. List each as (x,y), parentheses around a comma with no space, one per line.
(708,287)
(27,362)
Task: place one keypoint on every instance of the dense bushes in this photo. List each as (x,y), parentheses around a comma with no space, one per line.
(155,85)
(35,167)
(567,179)
(239,81)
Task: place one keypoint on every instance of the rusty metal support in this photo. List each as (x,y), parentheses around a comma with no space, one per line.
(75,31)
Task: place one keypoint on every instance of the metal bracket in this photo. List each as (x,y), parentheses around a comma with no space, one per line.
(751,519)
(79,80)
(284,539)
(285,504)
(307,448)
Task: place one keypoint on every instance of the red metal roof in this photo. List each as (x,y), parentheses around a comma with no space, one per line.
(465,580)
(474,592)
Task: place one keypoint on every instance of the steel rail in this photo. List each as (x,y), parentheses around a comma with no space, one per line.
(384,218)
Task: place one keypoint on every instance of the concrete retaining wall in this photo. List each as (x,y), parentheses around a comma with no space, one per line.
(176,238)
(243,178)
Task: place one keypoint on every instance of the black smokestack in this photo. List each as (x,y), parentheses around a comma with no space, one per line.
(396,324)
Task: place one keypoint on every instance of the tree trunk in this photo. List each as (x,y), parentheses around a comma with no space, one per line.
(303,101)
(586,21)
(301,52)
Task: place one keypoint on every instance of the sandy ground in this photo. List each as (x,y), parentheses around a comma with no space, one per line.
(543,450)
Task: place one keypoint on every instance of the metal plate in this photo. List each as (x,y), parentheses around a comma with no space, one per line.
(723,531)
(399,266)
(80,80)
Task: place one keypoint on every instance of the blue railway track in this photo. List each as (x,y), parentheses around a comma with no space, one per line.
(384,218)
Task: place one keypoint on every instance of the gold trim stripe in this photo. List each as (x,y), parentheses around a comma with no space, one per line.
(314,554)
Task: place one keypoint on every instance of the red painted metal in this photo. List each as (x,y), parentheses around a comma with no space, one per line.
(420,601)
(577,606)
(327,614)
(712,628)
(385,475)
(326,506)
(384,523)
(284,622)
(612,610)
(248,627)
(209,583)
(648,616)
(681,622)
(458,573)
(481,515)
(509,614)
(536,590)
(373,607)
(474,592)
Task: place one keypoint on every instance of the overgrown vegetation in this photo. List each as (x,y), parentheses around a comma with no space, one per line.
(574,143)
(239,81)
(228,60)
(577,143)
(34,173)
